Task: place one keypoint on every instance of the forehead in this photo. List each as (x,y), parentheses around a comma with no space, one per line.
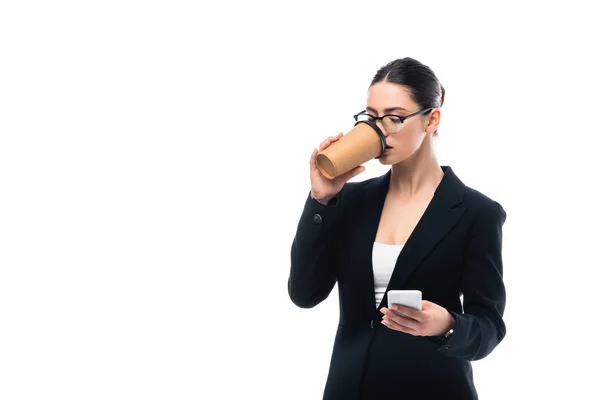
(384,95)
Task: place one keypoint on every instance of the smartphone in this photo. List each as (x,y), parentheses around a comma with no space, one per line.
(408,298)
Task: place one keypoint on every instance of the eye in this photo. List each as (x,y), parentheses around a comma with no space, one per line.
(394,119)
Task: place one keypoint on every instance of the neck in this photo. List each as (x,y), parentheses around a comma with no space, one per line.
(420,173)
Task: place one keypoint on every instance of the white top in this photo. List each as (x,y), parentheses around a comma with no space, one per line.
(384,260)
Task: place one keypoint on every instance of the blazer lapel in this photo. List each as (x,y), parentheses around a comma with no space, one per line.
(440,216)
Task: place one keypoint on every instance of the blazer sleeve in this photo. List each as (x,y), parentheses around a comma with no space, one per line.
(480,328)
(312,274)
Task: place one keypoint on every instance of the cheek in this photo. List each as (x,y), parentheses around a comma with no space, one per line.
(407,144)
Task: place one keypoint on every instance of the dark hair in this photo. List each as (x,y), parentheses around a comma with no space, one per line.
(425,88)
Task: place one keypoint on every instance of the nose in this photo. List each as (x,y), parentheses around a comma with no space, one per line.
(383,130)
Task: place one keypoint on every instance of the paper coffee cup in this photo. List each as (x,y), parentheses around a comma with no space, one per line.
(362,143)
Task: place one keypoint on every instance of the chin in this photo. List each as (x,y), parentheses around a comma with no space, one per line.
(389,159)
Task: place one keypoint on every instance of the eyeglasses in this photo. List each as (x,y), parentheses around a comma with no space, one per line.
(392,123)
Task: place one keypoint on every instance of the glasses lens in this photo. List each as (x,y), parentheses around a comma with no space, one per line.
(363,117)
(392,124)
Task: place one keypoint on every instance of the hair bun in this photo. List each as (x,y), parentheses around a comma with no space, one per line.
(443,94)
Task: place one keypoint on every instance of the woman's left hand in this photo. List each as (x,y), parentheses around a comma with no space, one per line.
(433,320)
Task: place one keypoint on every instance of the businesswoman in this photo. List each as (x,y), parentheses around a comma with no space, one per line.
(418,226)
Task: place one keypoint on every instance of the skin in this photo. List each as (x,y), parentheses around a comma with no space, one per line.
(416,174)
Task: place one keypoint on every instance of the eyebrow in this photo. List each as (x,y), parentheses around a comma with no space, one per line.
(387,110)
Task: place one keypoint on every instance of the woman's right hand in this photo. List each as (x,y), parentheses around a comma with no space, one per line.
(324,189)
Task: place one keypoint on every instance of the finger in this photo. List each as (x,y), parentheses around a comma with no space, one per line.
(402,320)
(326,141)
(409,312)
(337,137)
(396,326)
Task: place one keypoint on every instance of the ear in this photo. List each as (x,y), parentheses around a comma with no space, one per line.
(432,120)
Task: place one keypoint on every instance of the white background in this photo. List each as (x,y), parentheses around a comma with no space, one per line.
(154,164)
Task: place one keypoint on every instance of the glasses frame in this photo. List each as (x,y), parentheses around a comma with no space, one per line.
(400,117)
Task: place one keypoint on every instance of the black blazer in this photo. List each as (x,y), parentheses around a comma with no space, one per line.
(454,250)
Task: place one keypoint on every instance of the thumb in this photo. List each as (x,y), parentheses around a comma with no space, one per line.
(427,304)
(352,173)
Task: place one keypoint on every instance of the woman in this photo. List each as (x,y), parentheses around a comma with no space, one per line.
(416,227)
